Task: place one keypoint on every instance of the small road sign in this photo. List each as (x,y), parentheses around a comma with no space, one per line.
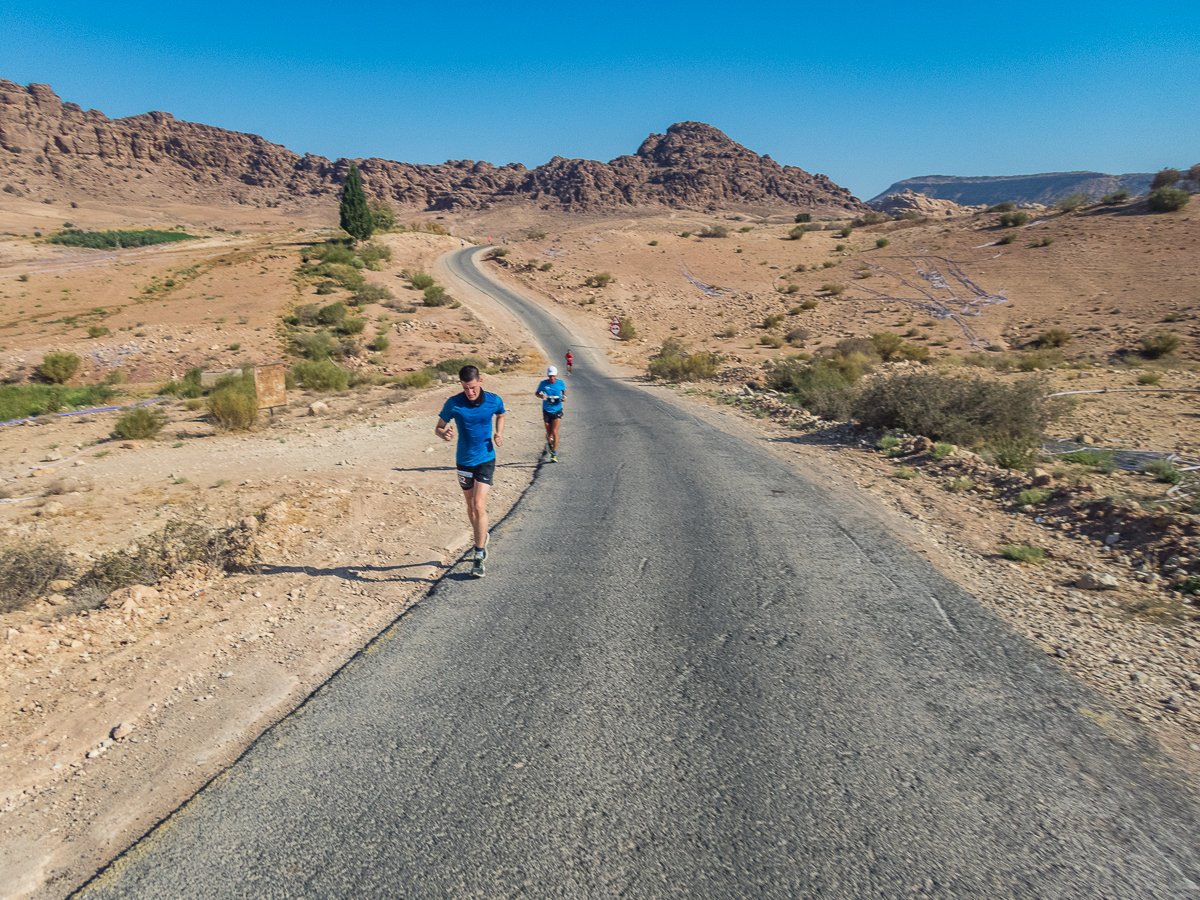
(615,326)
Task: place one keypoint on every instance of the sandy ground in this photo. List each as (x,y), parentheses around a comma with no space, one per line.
(360,512)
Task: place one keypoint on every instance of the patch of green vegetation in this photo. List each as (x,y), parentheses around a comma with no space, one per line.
(22,401)
(1033,496)
(1023,553)
(114,240)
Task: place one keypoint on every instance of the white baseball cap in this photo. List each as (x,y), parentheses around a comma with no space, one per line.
(551,370)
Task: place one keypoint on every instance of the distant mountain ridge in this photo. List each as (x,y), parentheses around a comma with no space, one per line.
(1045,188)
(51,150)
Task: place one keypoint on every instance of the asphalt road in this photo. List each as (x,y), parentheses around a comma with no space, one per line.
(688,674)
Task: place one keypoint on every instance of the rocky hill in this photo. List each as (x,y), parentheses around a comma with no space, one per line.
(56,152)
(1044,189)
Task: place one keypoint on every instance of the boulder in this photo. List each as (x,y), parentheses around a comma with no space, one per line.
(318,408)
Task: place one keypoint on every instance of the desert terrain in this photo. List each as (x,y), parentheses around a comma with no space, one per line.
(115,708)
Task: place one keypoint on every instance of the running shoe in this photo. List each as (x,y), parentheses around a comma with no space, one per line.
(553,456)
(477,568)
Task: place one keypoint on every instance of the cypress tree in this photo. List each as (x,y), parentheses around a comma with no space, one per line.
(355,214)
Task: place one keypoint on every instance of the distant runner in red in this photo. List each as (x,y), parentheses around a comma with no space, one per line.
(570,359)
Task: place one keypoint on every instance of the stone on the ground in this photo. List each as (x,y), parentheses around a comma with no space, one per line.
(318,408)
(1097,581)
(122,731)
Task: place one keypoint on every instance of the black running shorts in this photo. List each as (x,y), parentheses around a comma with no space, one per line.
(483,473)
(549,417)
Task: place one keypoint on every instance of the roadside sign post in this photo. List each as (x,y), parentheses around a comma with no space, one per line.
(615,326)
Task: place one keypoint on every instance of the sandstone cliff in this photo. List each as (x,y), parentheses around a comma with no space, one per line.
(56,152)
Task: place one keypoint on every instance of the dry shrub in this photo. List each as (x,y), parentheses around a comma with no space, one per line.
(26,569)
(963,412)
(674,363)
(233,409)
(1159,344)
(139,424)
(178,545)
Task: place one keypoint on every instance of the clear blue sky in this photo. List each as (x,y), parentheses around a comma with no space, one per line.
(867,93)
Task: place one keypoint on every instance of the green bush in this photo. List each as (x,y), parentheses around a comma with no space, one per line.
(355,325)
(1103,460)
(626,330)
(372,293)
(1072,202)
(1115,197)
(774,341)
(797,233)
(941,450)
(886,344)
(435,295)
(381,343)
(1023,553)
(773,321)
(880,243)
(59,368)
(142,423)
(1006,206)
(1165,178)
(715,231)
(1150,378)
(498,253)
(545,267)
(1054,337)
(796,336)
(373,255)
(1168,199)
(964,412)
(1159,344)
(803,217)
(845,232)
(809,304)
(914,352)
(673,362)
(1046,241)
(232,408)
(96,331)
(419,379)
(887,442)
(333,314)
(318,346)
(598,280)
(420,280)
(452,366)
(1014,219)
(1033,496)
(1163,470)
(824,387)
(321,375)
(832,288)
(1007,239)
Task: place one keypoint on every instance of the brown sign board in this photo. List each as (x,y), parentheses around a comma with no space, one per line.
(270,386)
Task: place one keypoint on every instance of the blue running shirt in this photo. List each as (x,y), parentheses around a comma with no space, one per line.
(552,401)
(474,424)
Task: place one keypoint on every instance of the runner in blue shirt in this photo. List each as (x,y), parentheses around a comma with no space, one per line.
(553,392)
(473,411)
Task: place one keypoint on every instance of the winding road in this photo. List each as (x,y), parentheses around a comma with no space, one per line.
(689,673)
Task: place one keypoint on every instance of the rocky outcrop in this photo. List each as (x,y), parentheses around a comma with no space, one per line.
(928,207)
(54,151)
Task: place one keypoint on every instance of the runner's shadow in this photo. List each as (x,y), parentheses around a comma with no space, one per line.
(356,573)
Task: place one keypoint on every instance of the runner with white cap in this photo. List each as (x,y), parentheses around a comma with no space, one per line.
(553,393)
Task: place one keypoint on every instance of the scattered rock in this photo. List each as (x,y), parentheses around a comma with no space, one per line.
(59,585)
(318,408)
(51,510)
(1097,581)
(1040,477)
(131,445)
(52,456)
(122,731)
(38,473)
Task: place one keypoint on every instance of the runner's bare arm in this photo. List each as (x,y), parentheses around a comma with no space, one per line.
(444,430)
(498,438)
